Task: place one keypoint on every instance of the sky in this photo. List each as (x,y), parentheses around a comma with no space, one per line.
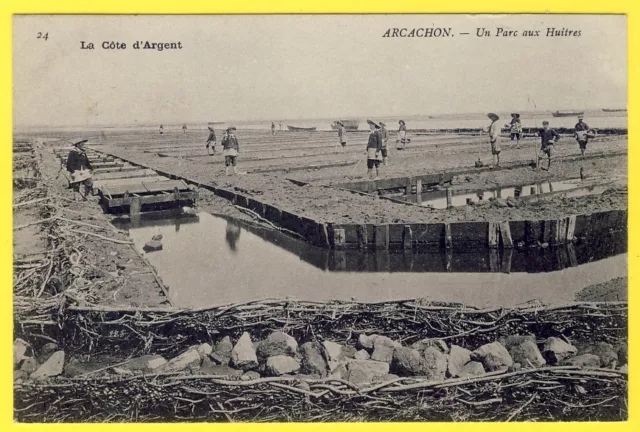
(301,66)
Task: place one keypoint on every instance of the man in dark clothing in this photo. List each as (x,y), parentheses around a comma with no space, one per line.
(374,147)
(212,139)
(79,167)
(384,134)
(230,149)
(548,137)
(582,134)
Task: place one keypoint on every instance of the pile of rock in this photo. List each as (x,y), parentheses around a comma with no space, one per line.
(373,358)
(26,364)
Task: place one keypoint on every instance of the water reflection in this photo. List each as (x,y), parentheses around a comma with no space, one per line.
(232,235)
(214,260)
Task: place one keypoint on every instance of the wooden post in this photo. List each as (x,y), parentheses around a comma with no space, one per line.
(407,237)
(448,240)
(362,236)
(506,260)
(505,235)
(339,237)
(419,191)
(407,186)
(381,236)
(494,233)
(571,227)
(135,206)
(494,260)
(449,198)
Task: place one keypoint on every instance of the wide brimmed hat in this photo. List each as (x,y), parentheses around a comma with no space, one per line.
(401,121)
(545,122)
(493,116)
(79,143)
(373,123)
(339,123)
(231,128)
(382,124)
(581,116)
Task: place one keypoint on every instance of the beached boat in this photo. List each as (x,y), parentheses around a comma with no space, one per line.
(614,110)
(300,129)
(350,125)
(567,113)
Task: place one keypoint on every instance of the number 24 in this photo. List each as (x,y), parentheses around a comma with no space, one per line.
(43,36)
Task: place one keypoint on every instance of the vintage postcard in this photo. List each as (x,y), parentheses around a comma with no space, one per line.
(320,218)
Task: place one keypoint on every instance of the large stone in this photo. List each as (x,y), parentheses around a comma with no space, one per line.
(527,354)
(471,369)
(334,350)
(385,378)
(312,360)
(382,353)
(362,355)
(52,367)
(605,351)
(493,357)
(188,360)
(243,356)
(29,365)
(222,351)
(584,361)
(406,362)
(152,246)
(282,364)
(369,342)
(19,350)
(250,376)
(423,344)
(209,367)
(338,370)
(366,342)
(435,364)
(458,357)
(277,343)
(624,368)
(348,351)
(623,355)
(46,351)
(556,350)
(146,363)
(516,340)
(365,371)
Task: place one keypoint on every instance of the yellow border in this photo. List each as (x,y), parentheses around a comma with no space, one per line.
(8,8)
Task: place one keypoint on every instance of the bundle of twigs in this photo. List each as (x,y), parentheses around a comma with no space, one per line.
(548,393)
(95,329)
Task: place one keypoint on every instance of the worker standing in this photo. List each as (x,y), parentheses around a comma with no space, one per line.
(211,139)
(582,133)
(384,135)
(184,129)
(342,135)
(230,148)
(79,168)
(515,127)
(374,146)
(402,134)
(494,138)
(161,129)
(273,128)
(548,137)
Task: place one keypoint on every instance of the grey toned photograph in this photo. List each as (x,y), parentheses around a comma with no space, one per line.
(320,218)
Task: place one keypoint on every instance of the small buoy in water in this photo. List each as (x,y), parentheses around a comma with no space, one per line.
(188,210)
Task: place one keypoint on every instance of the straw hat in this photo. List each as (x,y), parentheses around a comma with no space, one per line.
(79,143)
(230,128)
(493,116)
(373,123)
(382,124)
(581,116)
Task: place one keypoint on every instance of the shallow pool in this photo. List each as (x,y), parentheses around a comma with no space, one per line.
(209,260)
